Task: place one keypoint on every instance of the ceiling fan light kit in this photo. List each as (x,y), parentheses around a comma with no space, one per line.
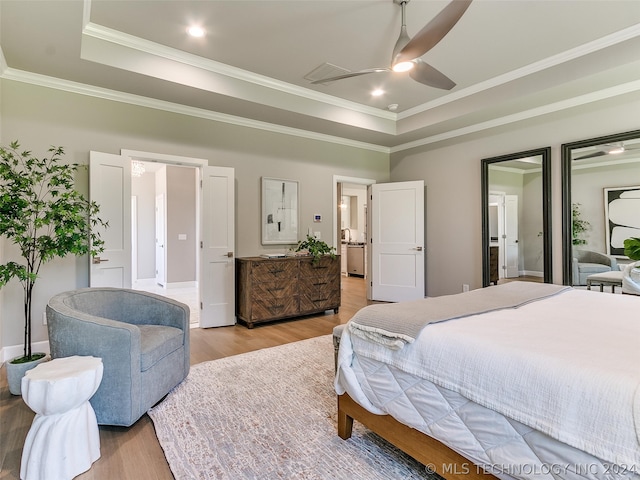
(407,51)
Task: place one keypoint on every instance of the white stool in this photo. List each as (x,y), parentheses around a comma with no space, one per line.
(64,439)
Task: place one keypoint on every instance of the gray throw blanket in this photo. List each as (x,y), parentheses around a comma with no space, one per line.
(396,324)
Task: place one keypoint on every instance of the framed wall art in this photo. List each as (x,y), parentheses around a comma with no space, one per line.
(622,217)
(279,211)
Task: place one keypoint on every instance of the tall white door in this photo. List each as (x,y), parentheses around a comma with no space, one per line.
(110,187)
(397,241)
(511,234)
(217,268)
(161,240)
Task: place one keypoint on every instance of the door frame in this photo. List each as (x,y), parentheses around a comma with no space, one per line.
(502,260)
(334,210)
(344,179)
(177,160)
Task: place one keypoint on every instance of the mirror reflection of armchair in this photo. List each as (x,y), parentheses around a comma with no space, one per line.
(587,262)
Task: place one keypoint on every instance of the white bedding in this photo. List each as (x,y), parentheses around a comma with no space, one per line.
(567,366)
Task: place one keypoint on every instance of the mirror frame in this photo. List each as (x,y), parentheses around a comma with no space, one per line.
(567,244)
(546,209)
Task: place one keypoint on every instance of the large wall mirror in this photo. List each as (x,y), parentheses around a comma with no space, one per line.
(516,217)
(600,204)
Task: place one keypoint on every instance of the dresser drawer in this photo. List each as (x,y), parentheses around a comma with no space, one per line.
(273,290)
(273,308)
(325,267)
(274,271)
(319,296)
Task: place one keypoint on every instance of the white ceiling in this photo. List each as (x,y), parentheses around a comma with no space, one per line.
(512,60)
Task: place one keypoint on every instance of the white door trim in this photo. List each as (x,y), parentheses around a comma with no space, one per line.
(334,207)
(163,158)
(179,160)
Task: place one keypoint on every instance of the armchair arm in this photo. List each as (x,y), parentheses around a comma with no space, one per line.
(597,257)
(118,344)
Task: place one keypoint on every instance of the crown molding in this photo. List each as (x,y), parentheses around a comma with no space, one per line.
(523,72)
(591,97)
(136,43)
(3,62)
(106,94)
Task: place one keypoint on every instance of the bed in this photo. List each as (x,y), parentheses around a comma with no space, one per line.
(520,380)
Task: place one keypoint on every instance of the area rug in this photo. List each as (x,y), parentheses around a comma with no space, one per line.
(270,414)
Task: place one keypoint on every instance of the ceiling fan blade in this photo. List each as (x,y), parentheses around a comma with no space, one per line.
(426,74)
(349,75)
(433,32)
(599,153)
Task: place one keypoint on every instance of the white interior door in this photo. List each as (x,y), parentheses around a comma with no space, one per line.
(217,269)
(110,187)
(511,235)
(397,241)
(161,251)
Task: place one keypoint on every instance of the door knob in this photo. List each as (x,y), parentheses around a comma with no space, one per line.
(230,254)
(97,260)
(418,249)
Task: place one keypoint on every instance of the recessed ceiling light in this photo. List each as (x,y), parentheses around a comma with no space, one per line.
(377,92)
(196,31)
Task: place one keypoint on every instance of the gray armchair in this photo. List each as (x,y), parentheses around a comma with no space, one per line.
(586,262)
(142,338)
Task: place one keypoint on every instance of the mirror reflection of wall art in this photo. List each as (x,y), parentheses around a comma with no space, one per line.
(279,211)
(622,217)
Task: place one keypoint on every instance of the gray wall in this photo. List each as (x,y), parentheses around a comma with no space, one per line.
(451,172)
(532,224)
(39,117)
(181,220)
(144,189)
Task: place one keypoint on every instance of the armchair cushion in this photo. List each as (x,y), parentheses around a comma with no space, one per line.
(156,342)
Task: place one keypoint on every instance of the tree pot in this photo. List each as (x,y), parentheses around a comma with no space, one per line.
(15,372)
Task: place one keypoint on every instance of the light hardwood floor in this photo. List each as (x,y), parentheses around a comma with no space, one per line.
(134,453)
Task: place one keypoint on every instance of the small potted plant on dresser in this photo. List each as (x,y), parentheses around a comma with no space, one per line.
(316,248)
(45,217)
(632,250)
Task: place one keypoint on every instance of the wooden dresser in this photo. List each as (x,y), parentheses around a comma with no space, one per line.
(275,288)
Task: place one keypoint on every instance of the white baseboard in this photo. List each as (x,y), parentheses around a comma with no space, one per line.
(192,284)
(150,284)
(12,351)
(531,273)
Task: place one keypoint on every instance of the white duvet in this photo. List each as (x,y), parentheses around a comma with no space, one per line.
(567,366)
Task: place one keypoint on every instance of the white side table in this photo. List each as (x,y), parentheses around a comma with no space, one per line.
(64,439)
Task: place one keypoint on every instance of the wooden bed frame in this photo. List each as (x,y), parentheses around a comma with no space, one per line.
(436,456)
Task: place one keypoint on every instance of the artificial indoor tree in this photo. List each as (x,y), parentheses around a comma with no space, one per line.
(578,225)
(43,214)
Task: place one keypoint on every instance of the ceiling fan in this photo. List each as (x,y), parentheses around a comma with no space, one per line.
(608,149)
(407,51)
